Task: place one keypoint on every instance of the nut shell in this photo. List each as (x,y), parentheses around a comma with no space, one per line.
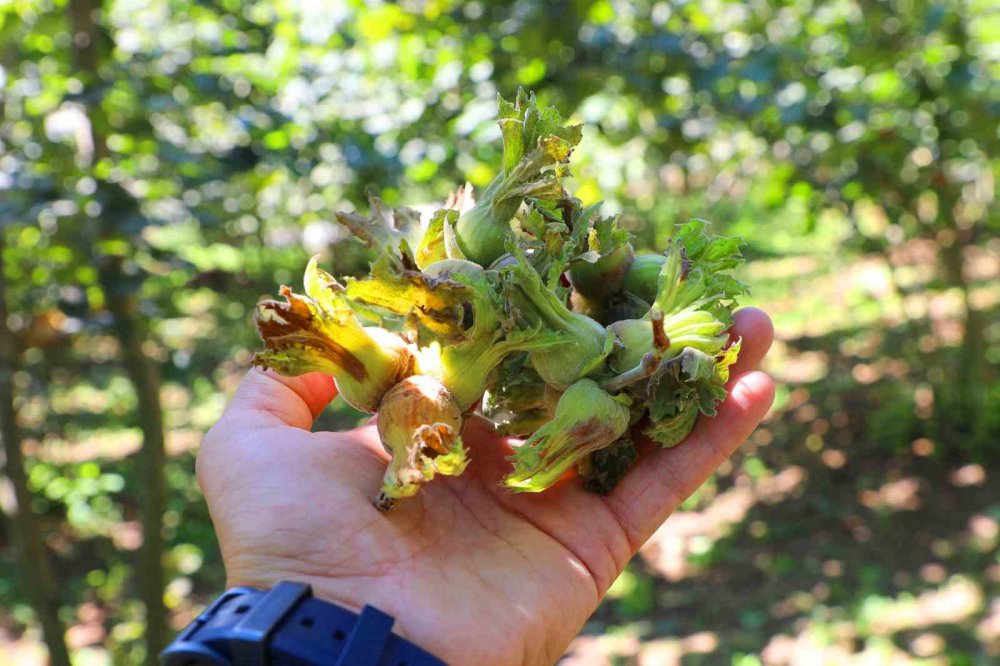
(413,406)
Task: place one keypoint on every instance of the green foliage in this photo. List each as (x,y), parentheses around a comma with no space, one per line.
(206,146)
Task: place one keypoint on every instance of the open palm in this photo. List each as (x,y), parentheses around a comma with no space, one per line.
(471,572)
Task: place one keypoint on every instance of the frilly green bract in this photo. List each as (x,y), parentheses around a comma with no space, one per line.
(434,302)
(695,298)
(603,469)
(462,333)
(536,146)
(601,270)
(439,242)
(318,332)
(687,385)
(531,302)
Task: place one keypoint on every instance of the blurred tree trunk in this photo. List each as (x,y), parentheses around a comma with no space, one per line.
(121,292)
(966,409)
(969,388)
(145,377)
(33,558)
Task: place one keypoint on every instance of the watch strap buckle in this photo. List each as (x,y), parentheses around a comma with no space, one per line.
(251,635)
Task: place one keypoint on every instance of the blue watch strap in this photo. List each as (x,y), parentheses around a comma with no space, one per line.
(364,645)
(252,633)
(286,626)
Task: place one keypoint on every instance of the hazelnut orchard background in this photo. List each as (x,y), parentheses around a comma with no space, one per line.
(163,165)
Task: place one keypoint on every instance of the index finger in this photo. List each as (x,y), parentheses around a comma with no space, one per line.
(757,331)
(662,479)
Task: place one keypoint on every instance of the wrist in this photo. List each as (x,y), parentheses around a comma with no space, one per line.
(427,611)
(351,594)
(322,588)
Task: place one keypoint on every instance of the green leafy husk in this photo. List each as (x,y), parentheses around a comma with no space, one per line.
(623,305)
(601,270)
(524,423)
(695,298)
(559,233)
(536,146)
(685,386)
(385,228)
(465,368)
(642,276)
(516,399)
(434,303)
(318,332)
(675,359)
(439,242)
(460,321)
(586,419)
(587,343)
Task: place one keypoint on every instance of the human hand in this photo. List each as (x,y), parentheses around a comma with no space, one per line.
(471,572)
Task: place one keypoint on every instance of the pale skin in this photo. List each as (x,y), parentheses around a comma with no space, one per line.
(471,572)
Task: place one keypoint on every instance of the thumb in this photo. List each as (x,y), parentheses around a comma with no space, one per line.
(265,398)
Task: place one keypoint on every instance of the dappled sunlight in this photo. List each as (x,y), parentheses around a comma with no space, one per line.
(983,533)
(957,600)
(88,628)
(687,532)
(790,367)
(922,447)
(600,650)
(901,495)
(126,535)
(25,648)
(988,629)
(875,280)
(836,645)
(857,640)
(933,573)
(968,475)
(851,290)
(834,458)
(886,368)
(113,445)
(797,266)
(186,419)
(607,650)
